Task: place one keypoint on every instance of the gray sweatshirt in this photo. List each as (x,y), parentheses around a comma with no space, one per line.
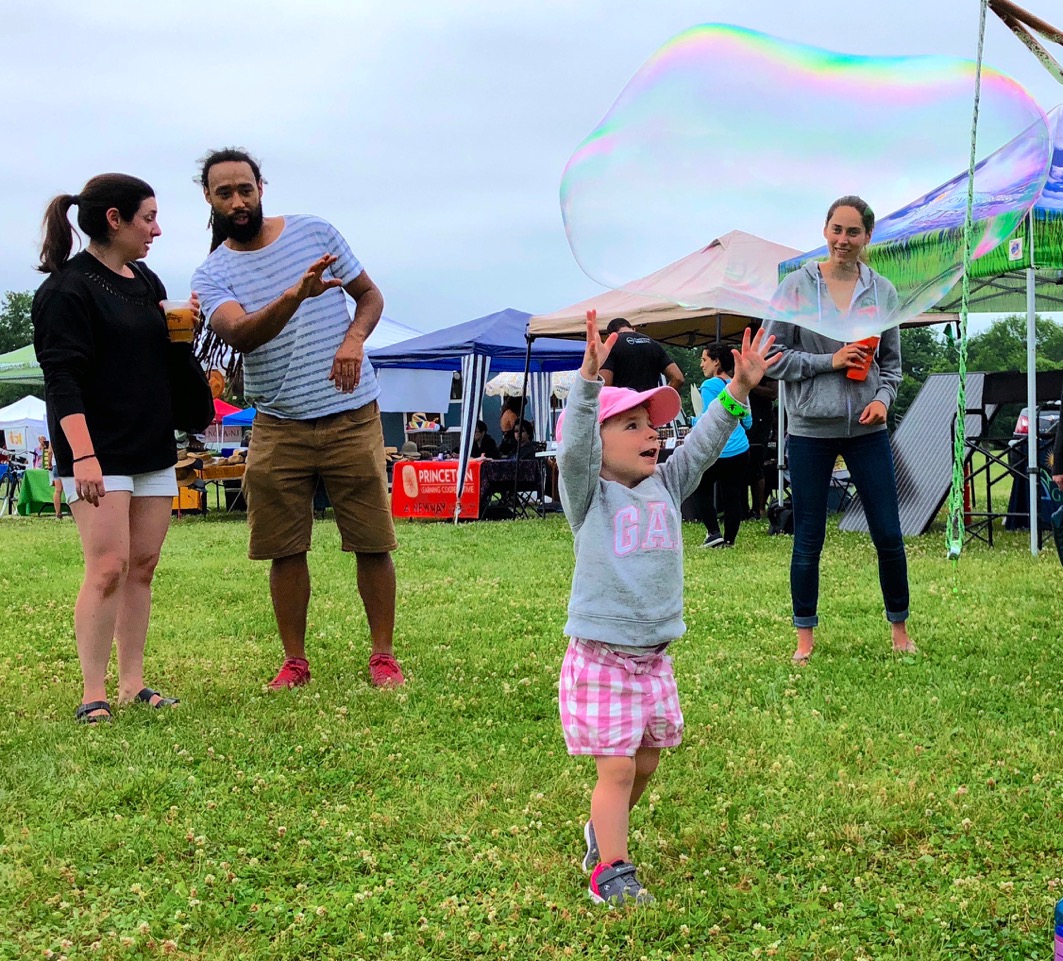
(627,588)
(822,401)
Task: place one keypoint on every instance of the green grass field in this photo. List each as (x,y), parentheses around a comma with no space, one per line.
(866,806)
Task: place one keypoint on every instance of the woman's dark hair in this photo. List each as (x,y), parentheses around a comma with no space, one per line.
(867,215)
(225,155)
(100,194)
(481,426)
(724,356)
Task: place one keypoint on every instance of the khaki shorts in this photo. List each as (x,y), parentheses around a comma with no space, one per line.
(284,462)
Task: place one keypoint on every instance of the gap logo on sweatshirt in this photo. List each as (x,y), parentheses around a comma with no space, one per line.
(635,530)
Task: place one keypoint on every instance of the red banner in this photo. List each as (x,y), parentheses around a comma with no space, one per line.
(427,489)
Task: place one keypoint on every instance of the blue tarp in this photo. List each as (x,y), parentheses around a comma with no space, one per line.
(242,418)
(500,336)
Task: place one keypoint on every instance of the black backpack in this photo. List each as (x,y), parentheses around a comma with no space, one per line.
(780,516)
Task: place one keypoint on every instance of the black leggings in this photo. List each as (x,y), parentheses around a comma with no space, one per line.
(732,475)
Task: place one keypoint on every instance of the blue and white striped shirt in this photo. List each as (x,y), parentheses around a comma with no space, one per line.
(288,377)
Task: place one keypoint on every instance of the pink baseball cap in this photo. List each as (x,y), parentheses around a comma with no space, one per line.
(663,404)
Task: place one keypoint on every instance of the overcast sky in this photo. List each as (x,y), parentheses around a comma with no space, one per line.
(432,135)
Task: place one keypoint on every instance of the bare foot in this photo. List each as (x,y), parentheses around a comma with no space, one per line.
(805,643)
(902,643)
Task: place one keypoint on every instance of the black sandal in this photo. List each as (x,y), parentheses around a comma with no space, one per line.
(84,715)
(146,694)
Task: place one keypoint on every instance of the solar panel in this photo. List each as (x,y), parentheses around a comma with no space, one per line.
(922,452)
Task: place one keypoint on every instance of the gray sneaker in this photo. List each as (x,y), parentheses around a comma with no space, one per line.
(616,885)
(592,857)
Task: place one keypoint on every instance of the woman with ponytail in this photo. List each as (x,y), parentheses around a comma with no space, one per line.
(102,343)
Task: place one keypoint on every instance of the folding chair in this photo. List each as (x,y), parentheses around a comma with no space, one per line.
(528,490)
(511,488)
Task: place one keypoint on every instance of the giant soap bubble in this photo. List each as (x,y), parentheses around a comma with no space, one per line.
(725,128)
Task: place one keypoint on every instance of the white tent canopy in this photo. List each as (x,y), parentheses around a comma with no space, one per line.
(737,273)
(405,390)
(23,422)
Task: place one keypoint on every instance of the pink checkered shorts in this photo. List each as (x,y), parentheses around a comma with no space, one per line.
(613,704)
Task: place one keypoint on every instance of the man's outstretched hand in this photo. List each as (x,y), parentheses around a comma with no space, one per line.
(312,284)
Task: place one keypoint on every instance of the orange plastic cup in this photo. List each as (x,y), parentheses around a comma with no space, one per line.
(180,320)
(860,373)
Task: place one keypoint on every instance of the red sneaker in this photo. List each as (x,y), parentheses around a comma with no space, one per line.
(294,672)
(384,671)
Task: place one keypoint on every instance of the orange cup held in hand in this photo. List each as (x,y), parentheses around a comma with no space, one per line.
(860,373)
(180,320)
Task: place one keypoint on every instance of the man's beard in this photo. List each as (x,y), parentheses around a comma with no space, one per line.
(242,233)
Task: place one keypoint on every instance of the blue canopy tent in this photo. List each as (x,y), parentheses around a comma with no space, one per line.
(242,418)
(494,343)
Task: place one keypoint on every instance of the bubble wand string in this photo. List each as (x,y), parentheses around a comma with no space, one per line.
(955,528)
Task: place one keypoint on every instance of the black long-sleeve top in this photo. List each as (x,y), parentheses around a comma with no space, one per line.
(102,344)
(485,448)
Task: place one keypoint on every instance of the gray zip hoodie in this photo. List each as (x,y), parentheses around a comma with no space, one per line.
(627,588)
(822,401)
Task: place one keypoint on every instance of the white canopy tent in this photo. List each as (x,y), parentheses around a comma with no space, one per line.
(737,274)
(406,390)
(23,422)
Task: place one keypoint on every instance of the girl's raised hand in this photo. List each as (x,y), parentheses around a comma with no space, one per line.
(752,361)
(597,349)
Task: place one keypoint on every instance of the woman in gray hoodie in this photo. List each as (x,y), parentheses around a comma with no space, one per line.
(830,414)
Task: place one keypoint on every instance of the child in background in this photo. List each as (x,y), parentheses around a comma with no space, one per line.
(618,696)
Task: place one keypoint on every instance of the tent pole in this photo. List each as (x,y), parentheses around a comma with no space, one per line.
(523,394)
(1033,437)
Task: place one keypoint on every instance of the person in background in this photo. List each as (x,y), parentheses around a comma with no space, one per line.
(48,463)
(831,414)
(1057,449)
(762,400)
(483,444)
(524,435)
(507,424)
(97,322)
(637,361)
(725,480)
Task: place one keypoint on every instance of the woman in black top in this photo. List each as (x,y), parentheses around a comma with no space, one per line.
(101,340)
(483,444)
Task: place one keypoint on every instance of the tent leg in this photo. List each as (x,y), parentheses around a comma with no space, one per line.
(1033,438)
(523,398)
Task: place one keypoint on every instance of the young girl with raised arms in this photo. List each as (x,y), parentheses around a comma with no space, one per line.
(618,696)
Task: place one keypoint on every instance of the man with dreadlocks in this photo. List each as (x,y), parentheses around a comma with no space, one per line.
(272,288)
